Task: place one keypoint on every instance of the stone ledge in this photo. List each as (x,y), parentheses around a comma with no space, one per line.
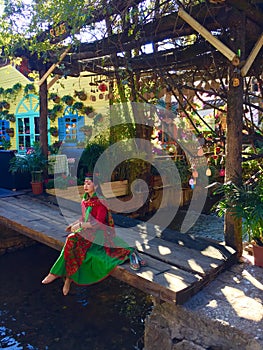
(227,314)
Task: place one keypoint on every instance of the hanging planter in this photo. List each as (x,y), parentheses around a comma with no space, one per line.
(4,114)
(54,97)
(29,89)
(10,132)
(5,104)
(68,100)
(52,116)
(53,113)
(89,111)
(78,105)
(11,117)
(17,87)
(53,131)
(81,95)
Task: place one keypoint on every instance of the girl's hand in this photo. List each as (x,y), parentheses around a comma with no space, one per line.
(68,228)
(75,227)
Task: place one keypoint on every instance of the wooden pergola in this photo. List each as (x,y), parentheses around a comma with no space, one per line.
(205,40)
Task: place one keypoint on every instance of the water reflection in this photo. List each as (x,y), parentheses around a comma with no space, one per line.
(106,316)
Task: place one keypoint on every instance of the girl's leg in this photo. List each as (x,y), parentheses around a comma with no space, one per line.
(49,278)
(66,286)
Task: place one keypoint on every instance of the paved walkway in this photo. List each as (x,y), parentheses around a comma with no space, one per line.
(235,298)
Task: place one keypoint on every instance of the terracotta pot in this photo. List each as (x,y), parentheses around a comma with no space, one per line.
(37,187)
(258,255)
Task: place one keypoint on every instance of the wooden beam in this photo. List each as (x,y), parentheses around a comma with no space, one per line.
(252,56)
(50,70)
(229,54)
(53,81)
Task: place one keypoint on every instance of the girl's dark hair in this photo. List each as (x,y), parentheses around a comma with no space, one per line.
(96,181)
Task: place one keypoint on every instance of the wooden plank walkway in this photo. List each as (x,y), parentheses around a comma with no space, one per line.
(176,270)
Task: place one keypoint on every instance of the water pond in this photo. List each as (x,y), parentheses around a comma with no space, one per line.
(106,316)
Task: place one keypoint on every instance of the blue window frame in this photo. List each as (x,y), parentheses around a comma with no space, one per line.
(69,126)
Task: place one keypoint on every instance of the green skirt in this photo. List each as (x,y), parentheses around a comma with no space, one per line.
(90,261)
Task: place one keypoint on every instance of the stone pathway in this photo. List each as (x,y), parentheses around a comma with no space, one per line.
(208,226)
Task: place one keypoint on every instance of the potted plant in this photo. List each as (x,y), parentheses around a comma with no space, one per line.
(10,132)
(68,100)
(78,105)
(246,202)
(34,162)
(53,113)
(54,97)
(53,131)
(81,95)
(89,111)
(11,117)
(5,104)
(29,88)
(17,87)
(4,143)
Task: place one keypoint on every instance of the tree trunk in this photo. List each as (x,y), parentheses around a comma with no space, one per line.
(233,226)
(43,118)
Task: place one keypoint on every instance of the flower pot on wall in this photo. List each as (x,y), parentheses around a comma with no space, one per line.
(258,255)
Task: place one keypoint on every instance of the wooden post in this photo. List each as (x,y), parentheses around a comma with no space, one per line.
(234,122)
(43,117)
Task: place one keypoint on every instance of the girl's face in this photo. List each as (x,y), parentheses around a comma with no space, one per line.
(89,186)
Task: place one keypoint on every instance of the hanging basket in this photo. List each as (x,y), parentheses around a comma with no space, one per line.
(81,95)
(68,100)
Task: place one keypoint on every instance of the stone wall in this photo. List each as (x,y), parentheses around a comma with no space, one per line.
(11,240)
(171,327)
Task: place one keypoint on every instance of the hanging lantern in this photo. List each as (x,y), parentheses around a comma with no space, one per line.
(215,157)
(103,87)
(208,172)
(222,172)
(195,174)
(200,152)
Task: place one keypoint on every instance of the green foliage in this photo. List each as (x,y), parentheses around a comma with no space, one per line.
(29,89)
(89,157)
(184,171)
(67,99)
(33,161)
(34,17)
(5,144)
(53,130)
(246,202)
(54,148)
(78,105)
